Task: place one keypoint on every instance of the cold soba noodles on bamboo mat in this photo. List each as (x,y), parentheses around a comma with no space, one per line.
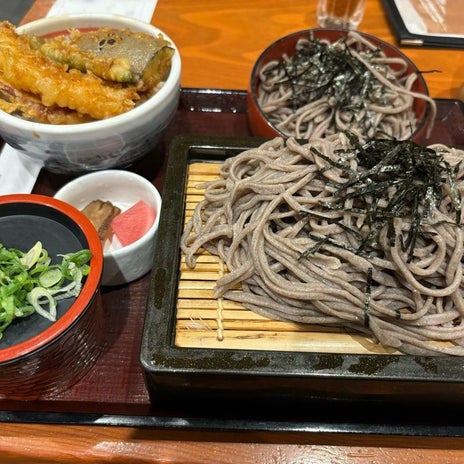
(320,233)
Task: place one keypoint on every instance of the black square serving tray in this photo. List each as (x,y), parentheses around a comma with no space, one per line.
(115,392)
(258,381)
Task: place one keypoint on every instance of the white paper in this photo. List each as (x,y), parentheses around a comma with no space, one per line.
(411,19)
(439,18)
(138,9)
(18,174)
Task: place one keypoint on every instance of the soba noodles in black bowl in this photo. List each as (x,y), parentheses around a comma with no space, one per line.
(319,82)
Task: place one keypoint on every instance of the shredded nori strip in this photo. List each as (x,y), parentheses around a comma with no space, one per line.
(418,175)
(367,298)
(321,70)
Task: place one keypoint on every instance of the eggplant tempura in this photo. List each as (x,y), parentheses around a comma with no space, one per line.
(68,81)
(115,55)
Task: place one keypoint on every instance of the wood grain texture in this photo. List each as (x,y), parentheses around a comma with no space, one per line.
(219,41)
(22,443)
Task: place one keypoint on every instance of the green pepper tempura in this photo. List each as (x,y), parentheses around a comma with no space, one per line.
(30,283)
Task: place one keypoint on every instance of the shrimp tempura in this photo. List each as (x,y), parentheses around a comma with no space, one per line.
(27,69)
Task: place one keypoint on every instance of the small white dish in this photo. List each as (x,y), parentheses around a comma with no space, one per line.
(123,189)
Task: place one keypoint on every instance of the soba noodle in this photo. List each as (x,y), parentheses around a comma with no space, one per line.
(326,88)
(299,246)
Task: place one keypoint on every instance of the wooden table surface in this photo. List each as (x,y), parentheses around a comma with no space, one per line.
(219,42)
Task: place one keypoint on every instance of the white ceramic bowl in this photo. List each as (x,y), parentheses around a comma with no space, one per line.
(109,143)
(123,189)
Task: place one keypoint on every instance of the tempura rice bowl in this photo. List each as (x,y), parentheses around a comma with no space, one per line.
(114,142)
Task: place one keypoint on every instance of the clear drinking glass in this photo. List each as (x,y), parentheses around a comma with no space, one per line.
(340,14)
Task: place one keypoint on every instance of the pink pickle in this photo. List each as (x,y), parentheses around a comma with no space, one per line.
(133,223)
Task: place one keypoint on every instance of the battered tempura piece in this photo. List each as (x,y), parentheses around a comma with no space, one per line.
(100,213)
(29,106)
(29,70)
(117,55)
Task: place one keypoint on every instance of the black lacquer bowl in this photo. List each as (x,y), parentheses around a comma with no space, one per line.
(38,356)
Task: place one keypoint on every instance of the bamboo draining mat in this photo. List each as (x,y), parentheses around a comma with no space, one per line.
(206,322)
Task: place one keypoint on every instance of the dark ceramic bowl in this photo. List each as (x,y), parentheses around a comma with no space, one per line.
(38,356)
(259,122)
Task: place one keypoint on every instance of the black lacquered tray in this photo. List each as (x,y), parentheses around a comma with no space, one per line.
(114,392)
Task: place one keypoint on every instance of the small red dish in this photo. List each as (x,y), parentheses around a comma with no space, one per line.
(38,356)
(260,124)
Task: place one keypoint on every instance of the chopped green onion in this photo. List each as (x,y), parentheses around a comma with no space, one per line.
(29,283)
(40,296)
(32,256)
(50,277)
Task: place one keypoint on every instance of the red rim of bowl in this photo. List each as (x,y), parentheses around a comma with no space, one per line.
(89,288)
(253,84)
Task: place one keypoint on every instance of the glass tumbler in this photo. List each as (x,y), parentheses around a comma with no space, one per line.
(340,14)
